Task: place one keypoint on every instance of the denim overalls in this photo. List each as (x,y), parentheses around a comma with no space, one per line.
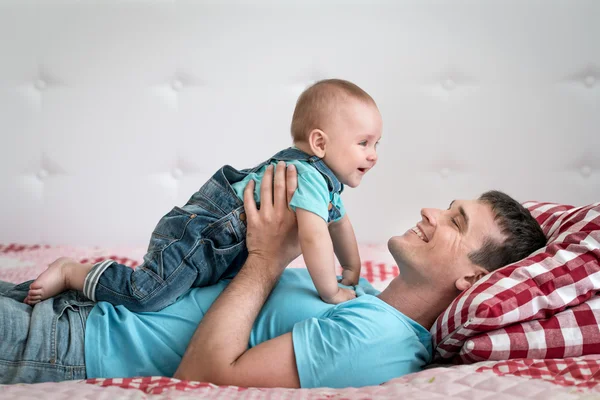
(192,246)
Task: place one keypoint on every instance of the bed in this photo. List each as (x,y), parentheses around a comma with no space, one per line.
(571,377)
(480,366)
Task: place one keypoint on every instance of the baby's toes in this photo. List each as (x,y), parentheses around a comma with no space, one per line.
(35,285)
(31,301)
(35,294)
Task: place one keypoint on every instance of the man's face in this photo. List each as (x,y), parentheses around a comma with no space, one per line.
(437,249)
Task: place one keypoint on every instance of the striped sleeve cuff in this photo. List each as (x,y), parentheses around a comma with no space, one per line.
(92,278)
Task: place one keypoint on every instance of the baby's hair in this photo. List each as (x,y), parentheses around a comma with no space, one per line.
(317,103)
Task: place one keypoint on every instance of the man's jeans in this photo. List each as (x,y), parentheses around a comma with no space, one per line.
(44,343)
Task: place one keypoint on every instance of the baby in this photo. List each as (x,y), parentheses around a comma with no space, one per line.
(336,127)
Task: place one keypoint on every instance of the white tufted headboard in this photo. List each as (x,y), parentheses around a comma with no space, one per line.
(111,112)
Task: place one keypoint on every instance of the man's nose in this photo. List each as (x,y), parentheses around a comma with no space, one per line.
(430,215)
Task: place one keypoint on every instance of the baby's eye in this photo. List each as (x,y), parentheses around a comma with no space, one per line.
(363,143)
(376,144)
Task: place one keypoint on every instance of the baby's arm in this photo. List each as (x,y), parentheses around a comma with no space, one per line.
(317,249)
(346,249)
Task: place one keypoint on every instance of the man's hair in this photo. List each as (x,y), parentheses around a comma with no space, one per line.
(523,234)
(317,104)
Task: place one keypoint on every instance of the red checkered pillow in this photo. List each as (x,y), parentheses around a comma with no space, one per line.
(563,274)
(572,332)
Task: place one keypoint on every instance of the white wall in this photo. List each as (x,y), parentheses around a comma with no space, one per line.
(111,112)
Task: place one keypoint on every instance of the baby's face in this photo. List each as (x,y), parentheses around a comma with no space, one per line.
(352,141)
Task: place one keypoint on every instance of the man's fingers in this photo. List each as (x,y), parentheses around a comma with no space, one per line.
(279,184)
(266,189)
(249,203)
(291,182)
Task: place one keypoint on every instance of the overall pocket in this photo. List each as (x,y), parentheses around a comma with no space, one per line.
(169,229)
(221,234)
(69,339)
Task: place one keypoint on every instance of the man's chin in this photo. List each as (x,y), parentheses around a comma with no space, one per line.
(397,240)
(391,244)
(395,247)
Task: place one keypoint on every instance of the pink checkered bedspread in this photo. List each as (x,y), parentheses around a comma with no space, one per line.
(570,378)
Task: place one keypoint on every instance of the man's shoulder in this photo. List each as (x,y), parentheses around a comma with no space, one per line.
(368,310)
(369,314)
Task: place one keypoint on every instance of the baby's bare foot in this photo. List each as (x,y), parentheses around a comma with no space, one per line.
(51,282)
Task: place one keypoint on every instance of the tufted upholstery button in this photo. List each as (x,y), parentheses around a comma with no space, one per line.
(449,84)
(177,85)
(40,84)
(586,171)
(590,80)
(42,174)
(177,173)
(444,172)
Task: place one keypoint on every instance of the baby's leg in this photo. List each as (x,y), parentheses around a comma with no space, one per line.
(63,274)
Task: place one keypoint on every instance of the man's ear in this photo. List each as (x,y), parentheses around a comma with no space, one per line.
(465,282)
(317,140)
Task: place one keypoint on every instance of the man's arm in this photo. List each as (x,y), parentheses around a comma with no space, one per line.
(346,249)
(218,351)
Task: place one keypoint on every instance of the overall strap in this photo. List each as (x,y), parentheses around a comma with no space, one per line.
(291,154)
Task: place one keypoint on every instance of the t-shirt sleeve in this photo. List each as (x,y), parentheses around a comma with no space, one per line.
(312,194)
(337,201)
(351,348)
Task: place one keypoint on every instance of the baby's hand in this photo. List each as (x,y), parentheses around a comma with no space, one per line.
(349,278)
(342,295)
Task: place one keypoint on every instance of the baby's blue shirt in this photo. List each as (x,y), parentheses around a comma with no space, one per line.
(312,193)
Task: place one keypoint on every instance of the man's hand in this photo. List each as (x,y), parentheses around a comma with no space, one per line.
(218,351)
(272,232)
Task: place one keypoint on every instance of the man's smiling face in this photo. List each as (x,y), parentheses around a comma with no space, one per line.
(437,248)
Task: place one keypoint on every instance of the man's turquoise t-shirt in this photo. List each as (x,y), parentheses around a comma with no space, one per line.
(357,343)
(312,193)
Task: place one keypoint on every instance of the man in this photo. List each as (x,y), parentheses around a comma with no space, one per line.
(267,327)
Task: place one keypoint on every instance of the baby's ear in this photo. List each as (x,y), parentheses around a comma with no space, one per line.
(317,139)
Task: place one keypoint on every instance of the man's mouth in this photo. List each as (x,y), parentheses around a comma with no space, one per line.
(420,234)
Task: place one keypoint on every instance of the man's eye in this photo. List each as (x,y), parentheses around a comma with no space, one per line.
(455,223)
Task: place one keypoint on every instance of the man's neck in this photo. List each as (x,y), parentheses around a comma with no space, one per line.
(418,302)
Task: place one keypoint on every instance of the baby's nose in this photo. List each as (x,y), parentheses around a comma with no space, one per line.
(372,156)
